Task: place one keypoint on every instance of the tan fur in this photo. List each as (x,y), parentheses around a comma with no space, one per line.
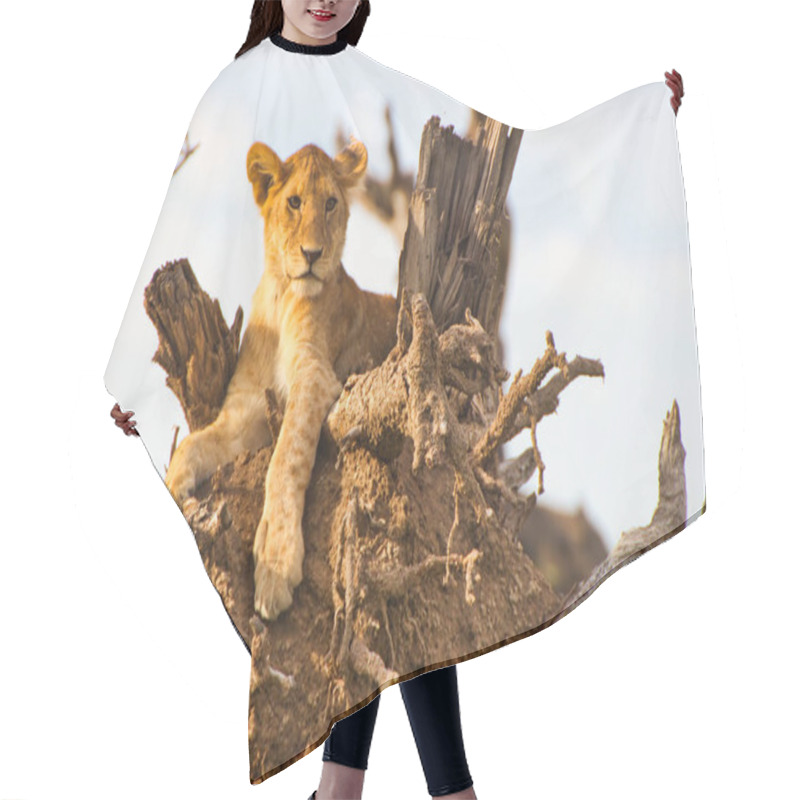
(310,327)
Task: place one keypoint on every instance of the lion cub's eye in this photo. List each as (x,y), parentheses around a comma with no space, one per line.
(330,204)
(294,201)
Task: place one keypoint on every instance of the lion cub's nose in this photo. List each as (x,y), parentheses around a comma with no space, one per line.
(311,255)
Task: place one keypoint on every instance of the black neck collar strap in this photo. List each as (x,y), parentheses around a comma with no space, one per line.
(309,49)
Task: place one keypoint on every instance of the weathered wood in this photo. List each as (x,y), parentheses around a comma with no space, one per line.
(195,346)
(452,250)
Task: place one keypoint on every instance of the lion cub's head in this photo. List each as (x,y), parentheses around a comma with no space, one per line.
(304,204)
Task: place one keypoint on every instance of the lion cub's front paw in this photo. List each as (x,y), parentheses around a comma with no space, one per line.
(273,593)
(278,553)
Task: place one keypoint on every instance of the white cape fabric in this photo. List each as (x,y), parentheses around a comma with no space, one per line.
(368,318)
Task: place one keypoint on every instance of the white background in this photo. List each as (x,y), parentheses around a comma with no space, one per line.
(120,674)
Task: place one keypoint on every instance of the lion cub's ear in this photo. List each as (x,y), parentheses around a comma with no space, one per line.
(351,163)
(264,169)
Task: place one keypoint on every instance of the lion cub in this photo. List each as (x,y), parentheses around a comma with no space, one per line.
(310,327)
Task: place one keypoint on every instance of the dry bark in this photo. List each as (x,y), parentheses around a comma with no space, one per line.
(195,346)
(390,199)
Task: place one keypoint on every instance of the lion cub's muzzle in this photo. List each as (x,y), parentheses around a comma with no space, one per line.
(311,256)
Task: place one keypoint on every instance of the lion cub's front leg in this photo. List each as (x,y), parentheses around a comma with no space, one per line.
(240,425)
(278,549)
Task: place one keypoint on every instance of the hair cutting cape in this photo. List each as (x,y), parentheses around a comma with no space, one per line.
(368,319)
